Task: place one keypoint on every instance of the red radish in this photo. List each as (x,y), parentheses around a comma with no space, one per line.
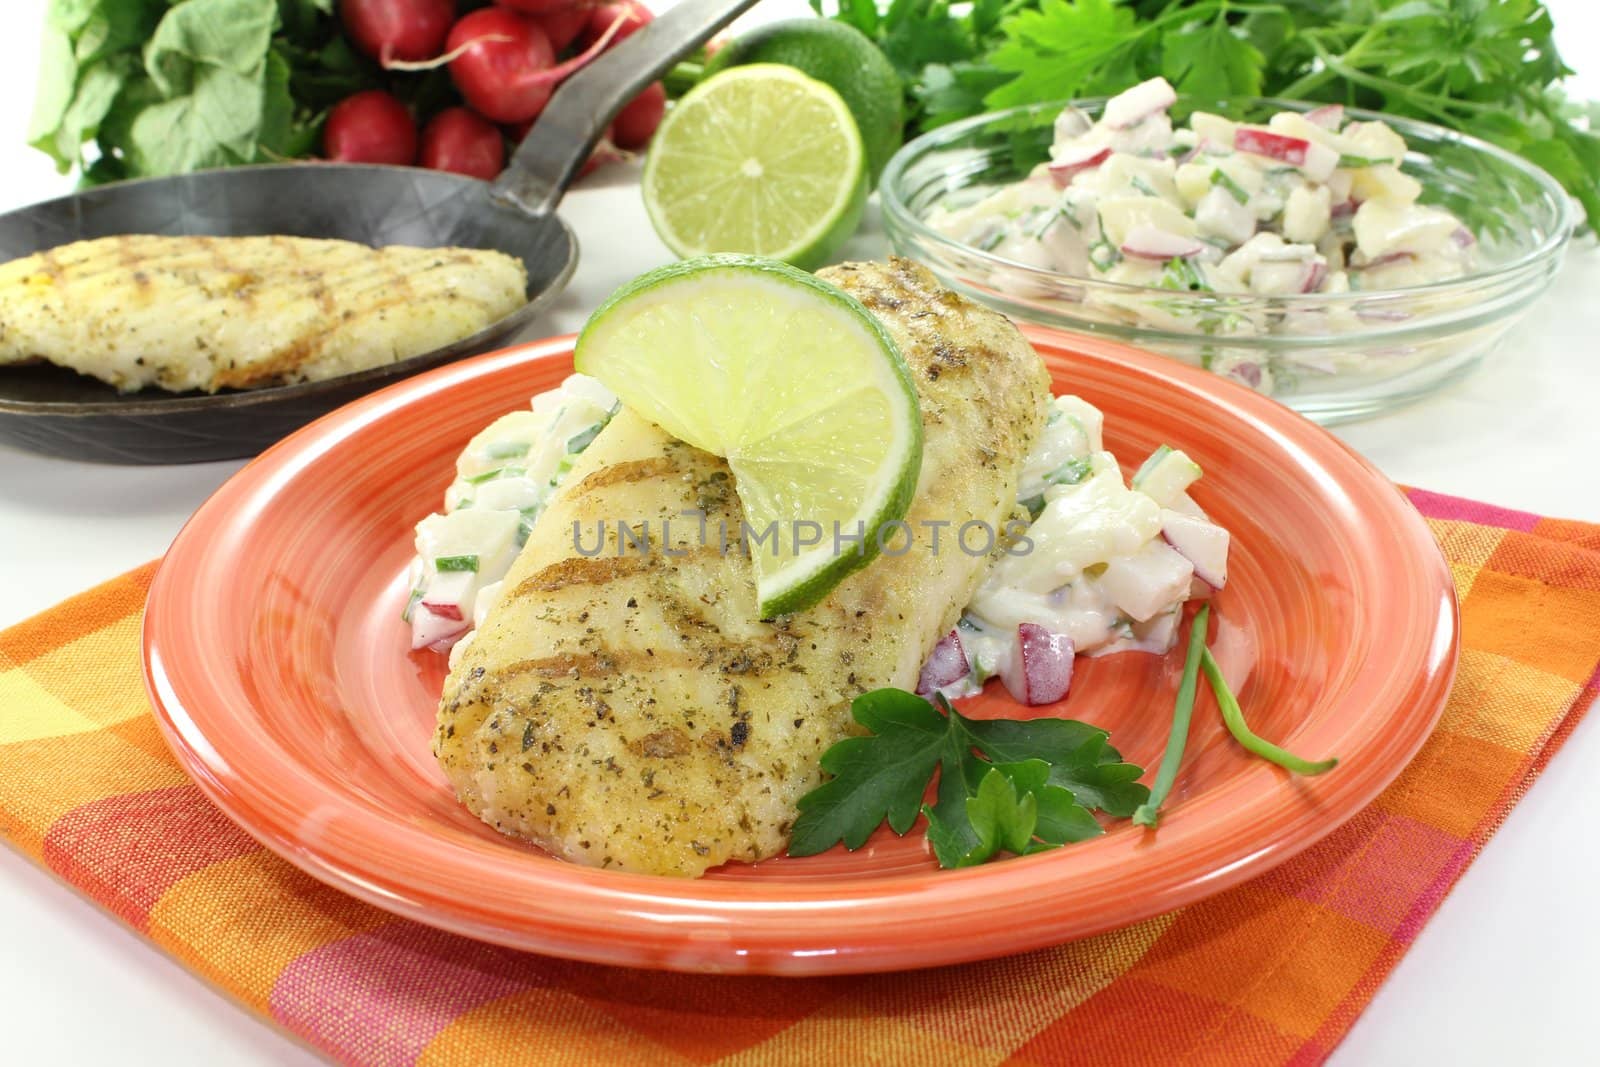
(564,24)
(445,610)
(1463,237)
(397,29)
(1316,271)
(604,154)
(502,80)
(504,65)
(1383,260)
(1076,160)
(947,664)
(1133,106)
(1248,373)
(1148,242)
(464,142)
(370,127)
(1317,160)
(1295,151)
(638,119)
(543,7)
(1202,543)
(631,15)
(1328,116)
(1040,669)
(1344,209)
(1270,143)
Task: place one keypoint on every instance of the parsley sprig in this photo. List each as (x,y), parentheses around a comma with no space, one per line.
(1004,785)
(1486,67)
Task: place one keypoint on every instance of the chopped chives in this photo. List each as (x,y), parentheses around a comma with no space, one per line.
(1349,161)
(583,438)
(1229,185)
(1071,472)
(456,563)
(507,450)
(498,472)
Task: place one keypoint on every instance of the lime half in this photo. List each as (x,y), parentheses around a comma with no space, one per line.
(840,56)
(795,383)
(758,159)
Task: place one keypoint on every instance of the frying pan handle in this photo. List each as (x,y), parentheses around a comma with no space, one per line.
(549,157)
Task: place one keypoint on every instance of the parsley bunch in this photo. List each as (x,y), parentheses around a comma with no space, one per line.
(1487,67)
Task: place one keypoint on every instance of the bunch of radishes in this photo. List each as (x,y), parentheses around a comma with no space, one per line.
(505,61)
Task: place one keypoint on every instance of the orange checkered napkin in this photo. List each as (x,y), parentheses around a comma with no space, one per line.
(1274,971)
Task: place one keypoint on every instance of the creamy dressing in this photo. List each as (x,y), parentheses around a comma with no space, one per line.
(1107,565)
(504,478)
(1305,204)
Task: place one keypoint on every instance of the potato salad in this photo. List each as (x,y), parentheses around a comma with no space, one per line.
(1104,566)
(1307,203)
(503,480)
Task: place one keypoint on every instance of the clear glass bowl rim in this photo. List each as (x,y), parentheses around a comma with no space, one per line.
(899,212)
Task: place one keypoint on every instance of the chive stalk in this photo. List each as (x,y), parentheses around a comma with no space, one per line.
(1149,812)
(1233,715)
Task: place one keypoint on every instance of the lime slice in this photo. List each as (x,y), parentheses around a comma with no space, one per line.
(795,383)
(758,159)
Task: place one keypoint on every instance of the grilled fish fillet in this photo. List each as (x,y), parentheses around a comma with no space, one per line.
(210,313)
(634,712)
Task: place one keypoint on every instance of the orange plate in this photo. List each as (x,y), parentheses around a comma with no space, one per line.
(281,674)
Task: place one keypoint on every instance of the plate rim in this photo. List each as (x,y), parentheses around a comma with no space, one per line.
(647,921)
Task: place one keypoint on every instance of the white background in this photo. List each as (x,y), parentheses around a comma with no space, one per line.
(1504,972)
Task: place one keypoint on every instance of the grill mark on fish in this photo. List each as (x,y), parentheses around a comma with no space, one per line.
(583,570)
(637,470)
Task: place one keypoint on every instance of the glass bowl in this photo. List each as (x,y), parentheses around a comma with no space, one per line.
(1331,356)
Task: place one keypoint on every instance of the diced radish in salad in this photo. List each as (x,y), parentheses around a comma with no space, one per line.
(1040,671)
(1213,190)
(1203,543)
(458,553)
(947,665)
(1149,581)
(1101,574)
(1085,157)
(1148,242)
(1328,116)
(504,477)
(1139,103)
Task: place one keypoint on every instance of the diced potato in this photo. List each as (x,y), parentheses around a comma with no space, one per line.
(1124,174)
(1213,128)
(1219,214)
(1193,180)
(1384,226)
(519,428)
(1338,185)
(1374,140)
(1294,124)
(1306,214)
(1383,183)
(1119,216)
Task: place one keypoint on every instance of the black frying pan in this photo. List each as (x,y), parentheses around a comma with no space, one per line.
(55,411)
